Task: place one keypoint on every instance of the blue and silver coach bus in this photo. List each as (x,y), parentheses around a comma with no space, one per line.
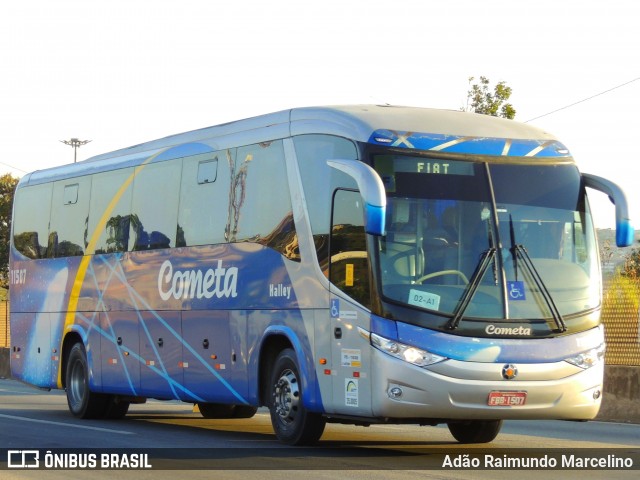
(362,264)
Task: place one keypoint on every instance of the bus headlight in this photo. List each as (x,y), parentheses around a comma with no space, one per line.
(413,355)
(588,359)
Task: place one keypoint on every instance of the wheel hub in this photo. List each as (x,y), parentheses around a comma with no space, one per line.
(76,384)
(286,396)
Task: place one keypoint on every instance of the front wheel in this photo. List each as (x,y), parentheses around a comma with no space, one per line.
(83,403)
(292,422)
(475,431)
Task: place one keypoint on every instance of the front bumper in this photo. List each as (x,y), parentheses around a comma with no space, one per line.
(460,390)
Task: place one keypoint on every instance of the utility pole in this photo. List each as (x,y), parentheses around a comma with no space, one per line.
(75,144)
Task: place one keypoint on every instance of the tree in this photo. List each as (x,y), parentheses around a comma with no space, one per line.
(481,100)
(631,268)
(7,189)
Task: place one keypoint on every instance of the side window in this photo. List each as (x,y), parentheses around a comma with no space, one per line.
(69,217)
(261,209)
(204,198)
(154,206)
(349,269)
(110,208)
(70,194)
(207,171)
(319,181)
(31,220)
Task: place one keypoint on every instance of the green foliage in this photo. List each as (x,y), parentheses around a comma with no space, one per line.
(480,99)
(8,185)
(631,267)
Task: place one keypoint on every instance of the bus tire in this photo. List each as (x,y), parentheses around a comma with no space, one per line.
(244,411)
(83,403)
(475,431)
(292,423)
(116,408)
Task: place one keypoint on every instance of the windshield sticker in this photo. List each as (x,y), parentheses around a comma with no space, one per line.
(516,290)
(424,299)
(348,273)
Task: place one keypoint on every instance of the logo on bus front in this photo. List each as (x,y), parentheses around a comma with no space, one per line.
(495,330)
(509,371)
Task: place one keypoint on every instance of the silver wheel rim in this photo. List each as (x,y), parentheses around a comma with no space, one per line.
(286,396)
(76,386)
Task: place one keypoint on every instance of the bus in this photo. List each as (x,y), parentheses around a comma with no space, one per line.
(352,264)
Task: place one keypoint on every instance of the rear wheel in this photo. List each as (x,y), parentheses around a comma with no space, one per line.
(116,408)
(475,431)
(292,422)
(244,411)
(83,403)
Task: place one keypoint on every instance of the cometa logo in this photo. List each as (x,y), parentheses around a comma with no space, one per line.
(189,284)
(493,330)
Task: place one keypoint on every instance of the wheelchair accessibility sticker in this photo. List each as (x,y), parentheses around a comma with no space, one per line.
(516,290)
(348,315)
(335,308)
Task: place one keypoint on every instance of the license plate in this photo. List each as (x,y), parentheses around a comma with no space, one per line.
(507,399)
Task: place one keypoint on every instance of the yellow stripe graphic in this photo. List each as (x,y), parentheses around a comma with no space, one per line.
(74,297)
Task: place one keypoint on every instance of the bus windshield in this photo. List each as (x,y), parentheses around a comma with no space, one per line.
(486,240)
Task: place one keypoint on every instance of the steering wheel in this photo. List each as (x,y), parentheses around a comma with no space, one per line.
(444,272)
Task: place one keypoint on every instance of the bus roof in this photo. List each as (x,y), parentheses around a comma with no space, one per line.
(357,122)
(361,120)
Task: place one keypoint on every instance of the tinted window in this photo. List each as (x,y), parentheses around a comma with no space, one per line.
(154,210)
(111,210)
(31,220)
(261,210)
(349,262)
(550,186)
(319,181)
(69,217)
(204,205)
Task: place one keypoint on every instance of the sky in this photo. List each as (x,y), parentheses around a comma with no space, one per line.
(121,72)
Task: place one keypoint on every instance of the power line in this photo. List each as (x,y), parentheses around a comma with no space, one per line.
(15,168)
(584,100)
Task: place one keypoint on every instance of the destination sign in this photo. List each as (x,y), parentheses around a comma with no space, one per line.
(433,167)
(390,164)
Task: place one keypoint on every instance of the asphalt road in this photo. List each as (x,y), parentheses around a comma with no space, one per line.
(179,443)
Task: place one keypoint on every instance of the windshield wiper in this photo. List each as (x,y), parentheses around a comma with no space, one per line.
(520,251)
(486,259)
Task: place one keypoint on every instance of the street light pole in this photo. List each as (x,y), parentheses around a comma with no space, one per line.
(75,144)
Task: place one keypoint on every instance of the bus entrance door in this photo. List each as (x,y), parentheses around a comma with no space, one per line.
(351,361)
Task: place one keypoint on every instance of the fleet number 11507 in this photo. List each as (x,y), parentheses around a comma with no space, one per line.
(18,276)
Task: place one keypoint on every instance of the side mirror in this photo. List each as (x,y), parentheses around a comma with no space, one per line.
(624,230)
(372,191)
